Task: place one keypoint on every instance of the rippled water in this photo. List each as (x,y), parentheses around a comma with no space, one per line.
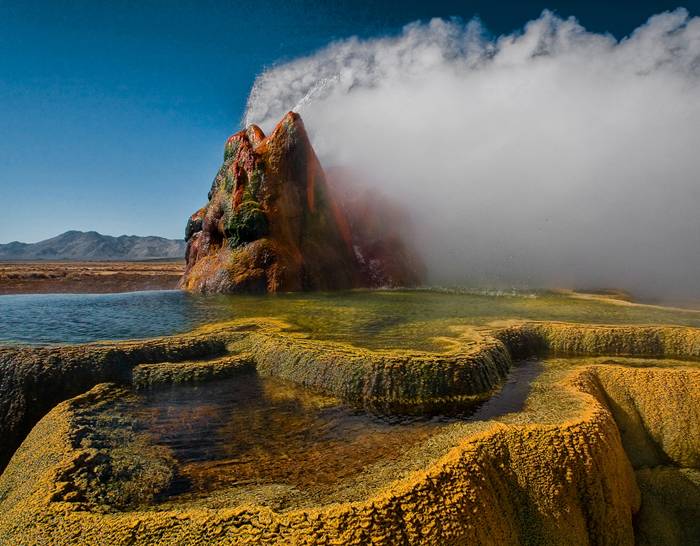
(253,430)
(79,318)
(376,319)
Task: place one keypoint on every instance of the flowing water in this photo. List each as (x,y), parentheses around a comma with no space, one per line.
(255,430)
(375,319)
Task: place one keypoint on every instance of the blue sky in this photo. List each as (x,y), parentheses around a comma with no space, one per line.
(113,114)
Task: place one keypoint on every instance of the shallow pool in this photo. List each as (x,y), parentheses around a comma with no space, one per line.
(252,430)
(375,319)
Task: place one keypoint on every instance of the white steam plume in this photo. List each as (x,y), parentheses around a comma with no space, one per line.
(553,156)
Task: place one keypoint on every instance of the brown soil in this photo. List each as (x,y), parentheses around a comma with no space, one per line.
(88,277)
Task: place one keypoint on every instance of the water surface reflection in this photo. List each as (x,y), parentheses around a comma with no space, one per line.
(254,430)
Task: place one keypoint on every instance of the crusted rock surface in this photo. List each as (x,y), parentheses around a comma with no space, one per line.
(569,478)
(271,224)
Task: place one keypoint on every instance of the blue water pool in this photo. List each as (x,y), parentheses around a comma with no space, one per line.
(79,318)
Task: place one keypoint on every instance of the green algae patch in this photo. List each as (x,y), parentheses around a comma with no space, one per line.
(423,319)
(418,319)
(388,381)
(246,224)
(150,375)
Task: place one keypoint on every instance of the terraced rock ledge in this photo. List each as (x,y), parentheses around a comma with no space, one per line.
(606,449)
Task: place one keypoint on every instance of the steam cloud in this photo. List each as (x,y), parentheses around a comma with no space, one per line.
(550,157)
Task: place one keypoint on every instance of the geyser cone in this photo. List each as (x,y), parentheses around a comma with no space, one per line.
(271,224)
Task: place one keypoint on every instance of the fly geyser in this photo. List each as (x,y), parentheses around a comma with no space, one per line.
(272,225)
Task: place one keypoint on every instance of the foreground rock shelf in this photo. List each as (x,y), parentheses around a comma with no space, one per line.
(595,456)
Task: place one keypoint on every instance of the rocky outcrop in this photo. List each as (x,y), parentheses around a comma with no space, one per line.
(271,224)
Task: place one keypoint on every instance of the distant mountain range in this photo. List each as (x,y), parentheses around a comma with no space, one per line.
(90,245)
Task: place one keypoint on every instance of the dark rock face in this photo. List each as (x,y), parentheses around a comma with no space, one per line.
(272,224)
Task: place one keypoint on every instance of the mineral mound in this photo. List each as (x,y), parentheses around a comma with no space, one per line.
(272,224)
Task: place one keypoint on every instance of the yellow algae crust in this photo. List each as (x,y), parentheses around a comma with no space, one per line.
(658,411)
(670,512)
(565,483)
(512,483)
(33,380)
(541,338)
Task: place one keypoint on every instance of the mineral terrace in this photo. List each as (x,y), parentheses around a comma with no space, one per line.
(606,450)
